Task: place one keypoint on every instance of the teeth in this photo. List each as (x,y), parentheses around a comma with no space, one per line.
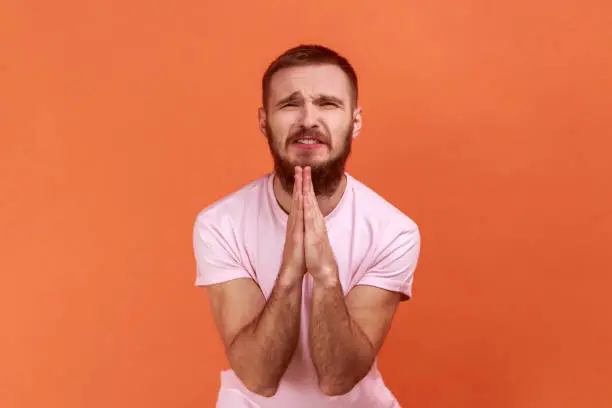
(307,141)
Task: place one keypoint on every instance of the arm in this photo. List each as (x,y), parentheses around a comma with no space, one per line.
(260,337)
(346,335)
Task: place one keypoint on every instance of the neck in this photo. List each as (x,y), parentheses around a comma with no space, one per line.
(326,203)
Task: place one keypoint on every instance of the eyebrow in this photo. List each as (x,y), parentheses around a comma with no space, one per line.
(294,96)
(330,98)
(324,98)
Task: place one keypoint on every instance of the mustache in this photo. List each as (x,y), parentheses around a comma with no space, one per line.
(309,133)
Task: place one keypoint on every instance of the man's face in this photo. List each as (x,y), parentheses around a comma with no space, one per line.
(310,120)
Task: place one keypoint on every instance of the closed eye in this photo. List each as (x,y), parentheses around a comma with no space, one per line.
(291,104)
(329,105)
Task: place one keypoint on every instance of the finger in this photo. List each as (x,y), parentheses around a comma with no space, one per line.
(315,211)
(308,189)
(299,214)
(307,196)
(297,185)
(294,200)
(297,198)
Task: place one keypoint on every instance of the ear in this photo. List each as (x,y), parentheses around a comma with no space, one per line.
(262,119)
(357,122)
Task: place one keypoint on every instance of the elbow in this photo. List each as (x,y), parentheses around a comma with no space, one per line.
(261,388)
(336,388)
(341,383)
(266,392)
(256,381)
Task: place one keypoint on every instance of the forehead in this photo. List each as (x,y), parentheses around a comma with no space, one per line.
(310,80)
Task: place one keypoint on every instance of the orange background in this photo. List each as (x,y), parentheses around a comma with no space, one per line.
(489,123)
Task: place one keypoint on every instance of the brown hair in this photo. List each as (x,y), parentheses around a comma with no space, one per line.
(308,54)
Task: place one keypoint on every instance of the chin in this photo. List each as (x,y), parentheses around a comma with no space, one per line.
(310,161)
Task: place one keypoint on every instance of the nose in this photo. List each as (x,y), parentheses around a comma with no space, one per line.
(309,118)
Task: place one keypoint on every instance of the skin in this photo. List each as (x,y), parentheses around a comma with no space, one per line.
(346,332)
(260,337)
(305,101)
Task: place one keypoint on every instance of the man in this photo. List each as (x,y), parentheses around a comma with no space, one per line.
(305,266)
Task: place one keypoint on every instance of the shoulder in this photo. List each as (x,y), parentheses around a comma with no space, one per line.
(218,235)
(228,210)
(379,213)
(391,239)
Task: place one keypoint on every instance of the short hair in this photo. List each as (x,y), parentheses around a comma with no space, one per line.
(304,55)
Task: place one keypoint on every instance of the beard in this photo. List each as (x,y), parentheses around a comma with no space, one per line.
(326,176)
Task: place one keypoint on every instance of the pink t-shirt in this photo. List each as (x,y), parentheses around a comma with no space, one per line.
(242,235)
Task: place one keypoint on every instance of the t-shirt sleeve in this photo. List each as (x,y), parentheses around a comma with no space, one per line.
(217,258)
(393,267)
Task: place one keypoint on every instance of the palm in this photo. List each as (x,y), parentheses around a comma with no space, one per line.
(293,253)
(319,257)
(314,250)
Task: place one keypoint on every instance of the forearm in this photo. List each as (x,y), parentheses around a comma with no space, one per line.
(342,354)
(261,351)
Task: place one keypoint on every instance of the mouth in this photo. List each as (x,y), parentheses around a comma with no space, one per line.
(308,142)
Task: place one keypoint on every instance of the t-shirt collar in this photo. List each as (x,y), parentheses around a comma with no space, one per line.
(281,215)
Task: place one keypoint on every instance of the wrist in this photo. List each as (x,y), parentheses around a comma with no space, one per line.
(327,279)
(288,279)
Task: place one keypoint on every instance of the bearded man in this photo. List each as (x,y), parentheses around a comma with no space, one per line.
(305,266)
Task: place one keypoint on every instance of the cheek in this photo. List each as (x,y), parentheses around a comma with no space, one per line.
(338,126)
(281,125)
